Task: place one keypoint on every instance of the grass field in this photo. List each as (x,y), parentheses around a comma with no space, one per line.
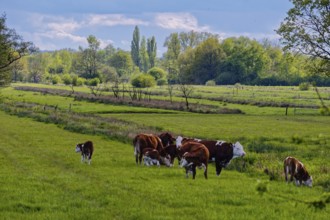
(42,177)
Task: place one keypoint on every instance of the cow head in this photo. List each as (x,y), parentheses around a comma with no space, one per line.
(178,141)
(167,139)
(309,182)
(79,148)
(166,160)
(238,150)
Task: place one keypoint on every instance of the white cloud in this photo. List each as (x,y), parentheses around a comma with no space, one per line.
(113,20)
(179,21)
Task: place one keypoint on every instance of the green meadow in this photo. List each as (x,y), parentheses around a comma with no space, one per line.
(42,177)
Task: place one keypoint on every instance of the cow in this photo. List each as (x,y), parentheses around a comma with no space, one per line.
(86,150)
(221,152)
(151,157)
(297,171)
(172,151)
(194,155)
(142,141)
(167,139)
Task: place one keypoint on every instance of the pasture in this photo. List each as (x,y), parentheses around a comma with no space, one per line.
(42,177)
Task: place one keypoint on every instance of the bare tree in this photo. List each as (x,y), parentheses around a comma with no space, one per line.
(187,91)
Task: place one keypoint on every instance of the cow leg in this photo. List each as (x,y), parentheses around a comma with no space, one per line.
(194,170)
(82,158)
(140,158)
(218,167)
(136,159)
(205,170)
(286,173)
(187,172)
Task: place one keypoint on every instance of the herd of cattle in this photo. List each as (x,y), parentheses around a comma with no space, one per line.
(191,153)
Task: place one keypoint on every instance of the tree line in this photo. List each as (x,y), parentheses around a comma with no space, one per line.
(191,57)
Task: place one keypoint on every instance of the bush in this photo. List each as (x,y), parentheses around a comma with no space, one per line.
(93,82)
(66,78)
(210,83)
(143,81)
(56,79)
(157,73)
(304,86)
(162,82)
(80,81)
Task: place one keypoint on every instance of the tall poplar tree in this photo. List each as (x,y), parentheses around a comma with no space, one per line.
(152,51)
(135,47)
(144,62)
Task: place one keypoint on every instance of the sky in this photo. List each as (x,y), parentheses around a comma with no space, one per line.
(59,24)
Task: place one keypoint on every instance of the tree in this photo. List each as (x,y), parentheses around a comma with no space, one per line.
(152,51)
(12,48)
(208,59)
(171,56)
(144,62)
(306,29)
(135,47)
(122,61)
(88,58)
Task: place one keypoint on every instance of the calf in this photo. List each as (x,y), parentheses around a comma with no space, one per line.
(194,155)
(152,157)
(297,171)
(86,150)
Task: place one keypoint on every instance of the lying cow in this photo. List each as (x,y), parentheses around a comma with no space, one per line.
(152,157)
(86,150)
(194,155)
(297,171)
(221,152)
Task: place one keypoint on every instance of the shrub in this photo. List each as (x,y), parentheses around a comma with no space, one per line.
(210,83)
(56,79)
(66,78)
(157,73)
(80,81)
(143,81)
(304,86)
(162,82)
(93,82)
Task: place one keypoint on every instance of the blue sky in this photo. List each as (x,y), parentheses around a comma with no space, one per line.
(58,24)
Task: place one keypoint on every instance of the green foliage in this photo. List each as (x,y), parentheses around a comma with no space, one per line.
(135,47)
(143,81)
(152,50)
(56,79)
(67,79)
(162,82)
(210,83)
(304,86)
(157,73)
(305,29)
(93,82)
(12,49)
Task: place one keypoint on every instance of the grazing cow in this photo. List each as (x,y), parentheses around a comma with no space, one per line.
(142,141)
(194,155)
(152,157)
(220,151)
(86,150)
(167,139)
(172,151)
(297,171)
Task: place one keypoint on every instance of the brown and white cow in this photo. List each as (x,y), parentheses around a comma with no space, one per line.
(151,157)
(297,171)
(194,155)
(86,150)
(142,141)
(167,139)
(221,152)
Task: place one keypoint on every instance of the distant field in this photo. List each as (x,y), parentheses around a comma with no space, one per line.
(52,184)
